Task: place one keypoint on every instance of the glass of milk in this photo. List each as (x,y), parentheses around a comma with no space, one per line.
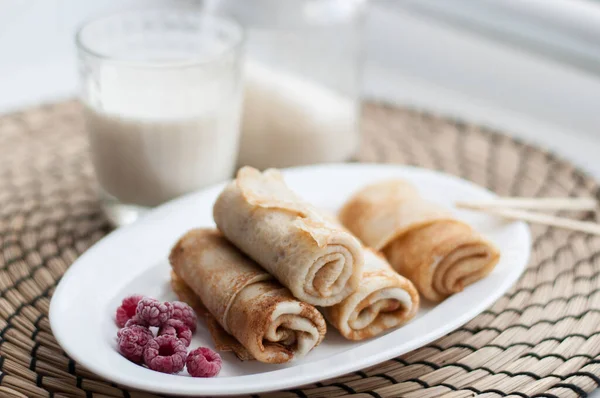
(303,74)
(162,94)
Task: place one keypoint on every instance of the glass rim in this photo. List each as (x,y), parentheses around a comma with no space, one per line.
(231,47)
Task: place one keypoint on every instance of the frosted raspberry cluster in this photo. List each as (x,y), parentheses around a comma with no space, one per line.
(165,352)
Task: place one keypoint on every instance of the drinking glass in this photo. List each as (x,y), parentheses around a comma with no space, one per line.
(162,96)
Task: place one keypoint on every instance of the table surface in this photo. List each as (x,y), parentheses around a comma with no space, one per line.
(536,99)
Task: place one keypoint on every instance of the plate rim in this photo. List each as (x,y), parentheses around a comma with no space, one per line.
(284,383)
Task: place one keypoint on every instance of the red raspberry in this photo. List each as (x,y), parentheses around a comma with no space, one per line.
(132,342)
(127,309)
(175,327)
(203,362)
(165,354)
(184,313)
(154,312)
(135,320)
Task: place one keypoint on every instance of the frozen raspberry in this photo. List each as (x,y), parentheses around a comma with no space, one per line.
(175,327)
(184,313)
(127,309)
(203,362)
(132,341)
(165,354)
(139,329)
(154,312)
(135,320)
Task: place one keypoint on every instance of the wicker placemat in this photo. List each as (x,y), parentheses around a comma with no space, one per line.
(542,339)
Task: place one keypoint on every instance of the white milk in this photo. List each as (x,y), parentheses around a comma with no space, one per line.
(147,151)
(289,120)
(155,136)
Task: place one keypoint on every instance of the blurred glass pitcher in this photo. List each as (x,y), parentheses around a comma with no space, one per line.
(302,79)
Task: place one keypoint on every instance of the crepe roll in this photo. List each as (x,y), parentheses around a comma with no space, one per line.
(223,341)
(260,313)
(306,251)
(384,300)
(423,241)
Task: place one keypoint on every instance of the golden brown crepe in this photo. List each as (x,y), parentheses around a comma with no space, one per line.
(421,240)
(383,301)
(223,340)
(315,258)
(260,313)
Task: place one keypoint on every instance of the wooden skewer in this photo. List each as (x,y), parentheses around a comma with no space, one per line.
(531,204)
(545,219)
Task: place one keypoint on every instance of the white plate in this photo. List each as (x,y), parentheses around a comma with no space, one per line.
(134,260)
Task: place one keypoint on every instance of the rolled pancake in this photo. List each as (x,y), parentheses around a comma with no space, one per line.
(311,255)
(260,313)
(223,340)
(422,240)
(383,301)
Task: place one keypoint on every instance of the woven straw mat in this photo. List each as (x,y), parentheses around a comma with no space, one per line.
(541,339)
